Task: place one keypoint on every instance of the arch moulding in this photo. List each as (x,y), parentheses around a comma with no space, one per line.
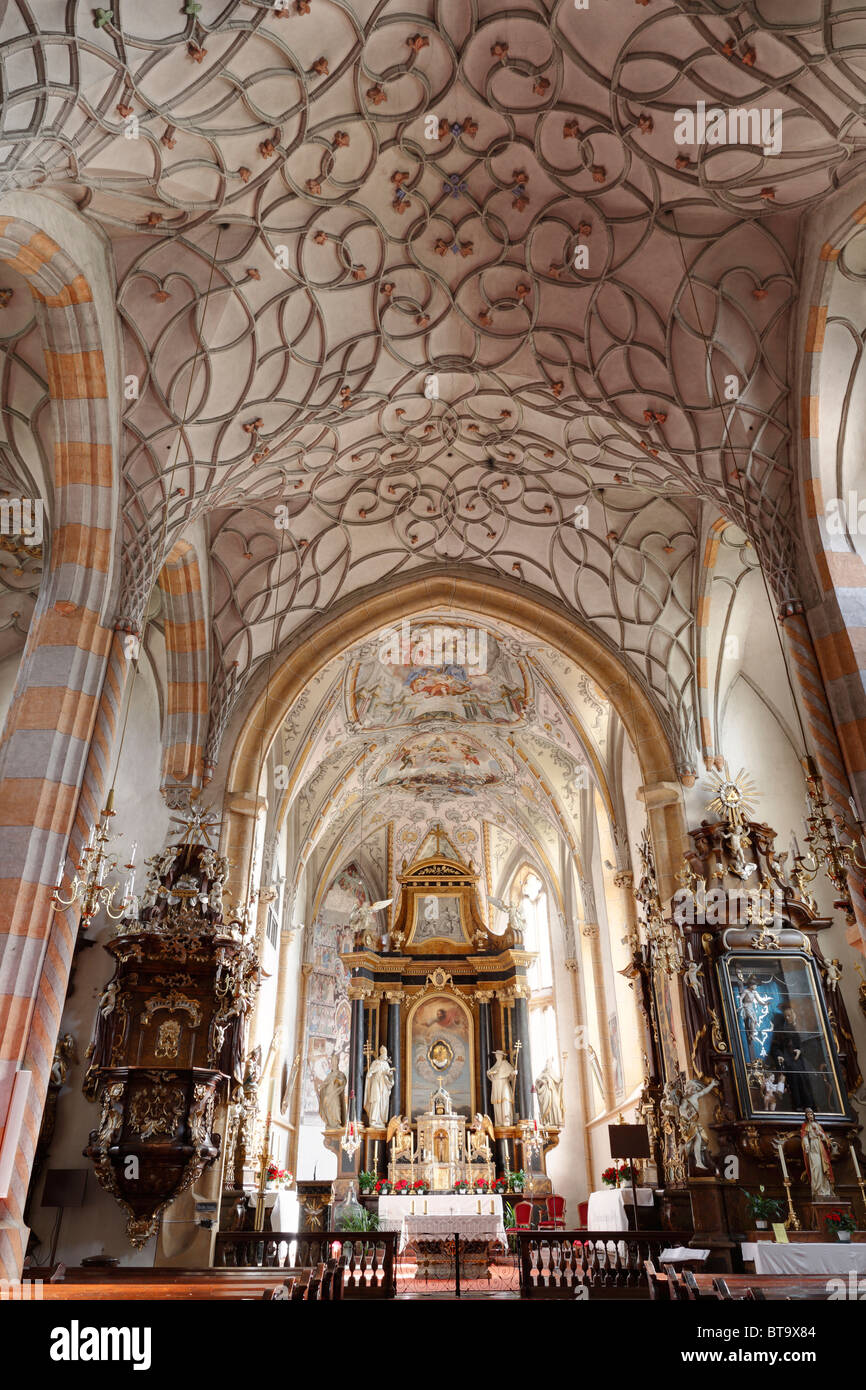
(451,595)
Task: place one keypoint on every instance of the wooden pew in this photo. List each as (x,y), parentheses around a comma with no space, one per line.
(762,1286)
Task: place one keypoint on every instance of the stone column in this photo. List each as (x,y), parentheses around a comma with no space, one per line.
(524,1061)
(395,1051)
(485,1048)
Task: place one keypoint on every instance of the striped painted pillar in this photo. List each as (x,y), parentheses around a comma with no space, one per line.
(54,710)
(187,668)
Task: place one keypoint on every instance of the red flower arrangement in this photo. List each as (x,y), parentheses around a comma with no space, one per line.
(840,1221)
(401,1186)
(481,1185)
(275,1173)
(382,1188)
(419,1185)
(610,1176)
(500,1185)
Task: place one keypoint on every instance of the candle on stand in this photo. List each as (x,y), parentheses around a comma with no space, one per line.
(781,1152)
(132,852)
(856,1164)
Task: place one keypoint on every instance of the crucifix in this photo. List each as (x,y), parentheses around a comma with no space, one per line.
(437,831)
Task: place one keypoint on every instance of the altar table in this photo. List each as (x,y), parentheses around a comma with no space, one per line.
(393,1210)
(446,1215)
(802,1257)
(606,1210)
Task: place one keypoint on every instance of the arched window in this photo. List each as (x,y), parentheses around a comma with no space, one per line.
(528,889)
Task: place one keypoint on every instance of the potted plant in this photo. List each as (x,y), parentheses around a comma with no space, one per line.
(762,1209)
(625,1175)
(461,1185)
(420,1188)
(481,1185)
(401,1187)
(840,1224)
(610,1176)
(500,1186)
(517,1180)
(274,1175)
(367,1181)
(361,1220)
(382,1188)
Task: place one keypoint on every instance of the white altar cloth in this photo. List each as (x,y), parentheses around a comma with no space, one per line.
(442,1214)
(606,1210)
(809,1257)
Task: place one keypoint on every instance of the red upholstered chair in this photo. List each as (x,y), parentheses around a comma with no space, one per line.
(522,1217)
(582,1215)
(555,1214)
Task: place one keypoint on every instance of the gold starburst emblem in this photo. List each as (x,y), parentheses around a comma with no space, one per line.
(734,796)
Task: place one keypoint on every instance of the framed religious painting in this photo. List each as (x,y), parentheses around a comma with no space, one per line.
(785,1060)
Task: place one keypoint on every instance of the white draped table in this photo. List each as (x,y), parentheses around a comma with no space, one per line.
(441,1215)
(606,1210)
(809,1257)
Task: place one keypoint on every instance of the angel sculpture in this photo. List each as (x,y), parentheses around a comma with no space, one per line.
(399,1136)
(362,920)
(480,1128)
(516,918)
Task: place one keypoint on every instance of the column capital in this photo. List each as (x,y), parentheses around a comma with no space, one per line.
(394,996)
(624,878)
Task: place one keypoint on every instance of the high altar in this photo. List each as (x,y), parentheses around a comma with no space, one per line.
(448,1000)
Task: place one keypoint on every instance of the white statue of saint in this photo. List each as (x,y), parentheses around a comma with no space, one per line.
(502,1074)
(548,1088)
(378,1088)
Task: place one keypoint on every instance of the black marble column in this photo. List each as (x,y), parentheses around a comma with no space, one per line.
(395,1053)
(524,1062)
(356,1061)
(485,1048)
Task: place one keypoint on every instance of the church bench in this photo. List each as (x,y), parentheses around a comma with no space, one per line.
(193,1291)
(756,1286)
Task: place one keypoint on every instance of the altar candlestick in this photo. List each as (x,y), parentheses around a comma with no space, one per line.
(780,1151)
(854,1161)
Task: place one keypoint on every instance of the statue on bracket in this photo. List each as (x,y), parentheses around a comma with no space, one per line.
(331,1094)
(548,1088)
(503,1076)
(377,1091)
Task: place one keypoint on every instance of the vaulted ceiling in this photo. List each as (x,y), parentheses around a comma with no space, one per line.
(440,282)
(390,732)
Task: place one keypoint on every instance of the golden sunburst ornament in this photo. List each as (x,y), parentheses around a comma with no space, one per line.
(734,796)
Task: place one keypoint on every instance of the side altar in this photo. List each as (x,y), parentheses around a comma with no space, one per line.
(440,1080)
